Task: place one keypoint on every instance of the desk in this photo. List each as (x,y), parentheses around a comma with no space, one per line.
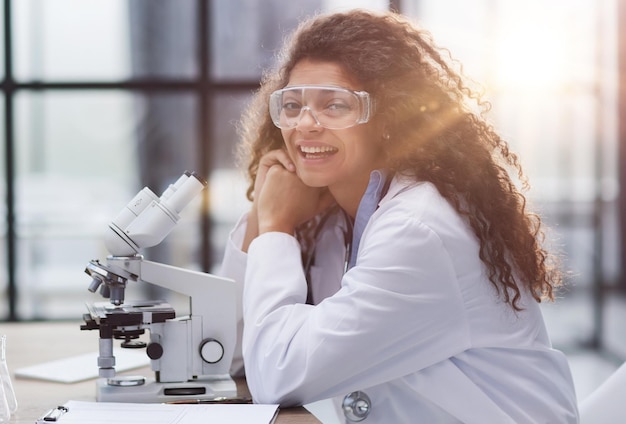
(35,343)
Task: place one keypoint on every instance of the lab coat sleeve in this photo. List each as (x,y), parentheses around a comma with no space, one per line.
(398,311)
(234,267)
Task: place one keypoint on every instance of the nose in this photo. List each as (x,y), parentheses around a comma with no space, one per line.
(307,119)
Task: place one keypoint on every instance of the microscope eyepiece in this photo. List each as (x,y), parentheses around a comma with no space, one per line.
(147,219)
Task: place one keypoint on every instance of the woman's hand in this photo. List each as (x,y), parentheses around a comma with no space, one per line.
(281,200)
(286,202)
(274,157)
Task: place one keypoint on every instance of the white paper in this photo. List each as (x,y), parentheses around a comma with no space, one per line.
(82,367)
(80,412)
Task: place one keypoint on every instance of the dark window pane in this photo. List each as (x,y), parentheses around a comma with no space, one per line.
(78,157)
(105,40)
(246,33)
(227,109)
(228,183)
(163,38)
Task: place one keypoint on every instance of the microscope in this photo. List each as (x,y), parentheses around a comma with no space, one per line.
(190,355)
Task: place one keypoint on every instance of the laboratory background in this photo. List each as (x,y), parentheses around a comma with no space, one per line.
(100,98)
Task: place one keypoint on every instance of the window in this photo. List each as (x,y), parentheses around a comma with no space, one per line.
(106,97)
(549,70)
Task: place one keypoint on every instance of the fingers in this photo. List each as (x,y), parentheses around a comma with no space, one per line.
(277,157)
(286,202)
(281,200)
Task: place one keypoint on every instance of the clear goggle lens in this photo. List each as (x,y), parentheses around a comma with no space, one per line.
(330,107)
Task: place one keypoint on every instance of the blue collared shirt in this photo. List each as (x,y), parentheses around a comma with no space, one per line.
(369,202)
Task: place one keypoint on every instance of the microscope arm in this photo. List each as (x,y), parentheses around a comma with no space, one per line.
(212,312)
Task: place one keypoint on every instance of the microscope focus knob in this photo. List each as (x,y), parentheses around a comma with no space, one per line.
(211,351)
(154,350)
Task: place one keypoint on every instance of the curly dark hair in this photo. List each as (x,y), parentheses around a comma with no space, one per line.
(437,133)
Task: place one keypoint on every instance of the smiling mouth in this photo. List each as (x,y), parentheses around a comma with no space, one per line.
(317,152)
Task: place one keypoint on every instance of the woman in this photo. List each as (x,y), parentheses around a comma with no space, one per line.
(388,259)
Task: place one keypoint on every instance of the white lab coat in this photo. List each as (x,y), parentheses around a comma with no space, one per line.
(415,324)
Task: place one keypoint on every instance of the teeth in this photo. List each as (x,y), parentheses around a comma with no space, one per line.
(317,149)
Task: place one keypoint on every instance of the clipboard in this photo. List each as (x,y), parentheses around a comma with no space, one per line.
(82,412)
(53,415)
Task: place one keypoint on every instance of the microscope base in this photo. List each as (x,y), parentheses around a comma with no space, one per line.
(154,392)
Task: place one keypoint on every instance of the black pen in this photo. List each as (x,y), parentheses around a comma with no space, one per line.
(242,399)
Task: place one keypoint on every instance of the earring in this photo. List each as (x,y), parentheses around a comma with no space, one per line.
(386,136)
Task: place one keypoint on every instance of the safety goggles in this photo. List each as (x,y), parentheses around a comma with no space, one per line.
(331,107)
